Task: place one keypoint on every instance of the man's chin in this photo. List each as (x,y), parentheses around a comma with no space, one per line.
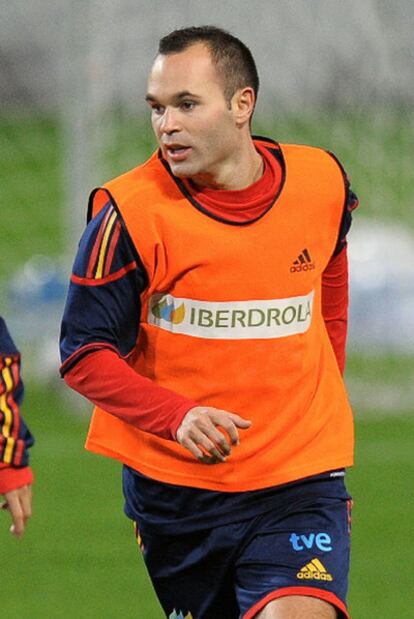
(181,170)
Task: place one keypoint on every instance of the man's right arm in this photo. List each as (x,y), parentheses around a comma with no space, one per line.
(99,331)
(100,327)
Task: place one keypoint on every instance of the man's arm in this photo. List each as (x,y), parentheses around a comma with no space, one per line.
(335,297)
(16,476)
(99,330)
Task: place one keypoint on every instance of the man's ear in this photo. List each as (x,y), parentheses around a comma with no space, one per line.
(242,105)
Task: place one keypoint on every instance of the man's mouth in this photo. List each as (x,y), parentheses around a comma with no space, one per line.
(177,152)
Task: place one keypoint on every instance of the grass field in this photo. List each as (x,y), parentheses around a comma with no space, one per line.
(79,559)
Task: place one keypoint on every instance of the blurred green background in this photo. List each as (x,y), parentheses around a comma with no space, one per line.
(334,74)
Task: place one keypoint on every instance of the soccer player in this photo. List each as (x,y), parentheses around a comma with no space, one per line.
(16,476)
(206,320)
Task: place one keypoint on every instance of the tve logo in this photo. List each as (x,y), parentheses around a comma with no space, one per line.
(322,541)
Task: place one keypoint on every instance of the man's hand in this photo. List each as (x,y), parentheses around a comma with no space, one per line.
(19,504)
(199,433)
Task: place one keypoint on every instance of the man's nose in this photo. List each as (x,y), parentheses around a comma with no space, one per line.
(170,123)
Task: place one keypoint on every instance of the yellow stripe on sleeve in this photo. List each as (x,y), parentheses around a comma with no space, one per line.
(104,244)
(7,412)
(8,452)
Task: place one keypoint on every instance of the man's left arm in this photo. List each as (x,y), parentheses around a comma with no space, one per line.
(335,296)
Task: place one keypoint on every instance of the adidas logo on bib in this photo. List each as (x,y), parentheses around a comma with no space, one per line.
(303,263)
(314,570)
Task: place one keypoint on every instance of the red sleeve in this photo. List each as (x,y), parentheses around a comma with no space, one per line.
(109,382)
(335,303)
(12,478)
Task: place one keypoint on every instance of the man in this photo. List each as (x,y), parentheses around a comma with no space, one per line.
(206,319)
(16,476)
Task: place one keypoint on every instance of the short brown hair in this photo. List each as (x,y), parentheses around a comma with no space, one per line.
(232,58)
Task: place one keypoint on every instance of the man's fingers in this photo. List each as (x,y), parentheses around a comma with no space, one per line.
(208,433)
(229,426)
(203,431)
(216,438)
(16,531)
(230,422)
(192,447)
(16,512)
(221,442)
(26,501)
(240,422)
(203,440)
(199,454)
(19,504)
(200,441)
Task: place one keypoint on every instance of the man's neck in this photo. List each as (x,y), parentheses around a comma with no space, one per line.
(239,173)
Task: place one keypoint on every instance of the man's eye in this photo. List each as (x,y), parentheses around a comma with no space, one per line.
(157,109)
(187,105)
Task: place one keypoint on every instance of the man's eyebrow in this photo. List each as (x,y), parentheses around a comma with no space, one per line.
(186,93)
(176,97)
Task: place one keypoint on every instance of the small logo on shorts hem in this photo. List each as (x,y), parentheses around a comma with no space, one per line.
(314,570)
(180,615)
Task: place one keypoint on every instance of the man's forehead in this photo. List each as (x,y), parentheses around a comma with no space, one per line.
(181,69)
(197,52)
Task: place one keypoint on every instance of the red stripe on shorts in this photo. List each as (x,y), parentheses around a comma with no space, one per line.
(327,596)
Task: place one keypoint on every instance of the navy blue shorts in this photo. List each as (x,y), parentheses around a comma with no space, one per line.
(231,571)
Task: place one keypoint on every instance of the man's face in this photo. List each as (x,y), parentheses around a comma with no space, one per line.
(191,118)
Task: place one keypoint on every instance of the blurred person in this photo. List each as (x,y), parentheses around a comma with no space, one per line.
(16,476)
(206,319)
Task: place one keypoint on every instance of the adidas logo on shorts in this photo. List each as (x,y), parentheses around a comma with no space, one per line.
(314,570)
